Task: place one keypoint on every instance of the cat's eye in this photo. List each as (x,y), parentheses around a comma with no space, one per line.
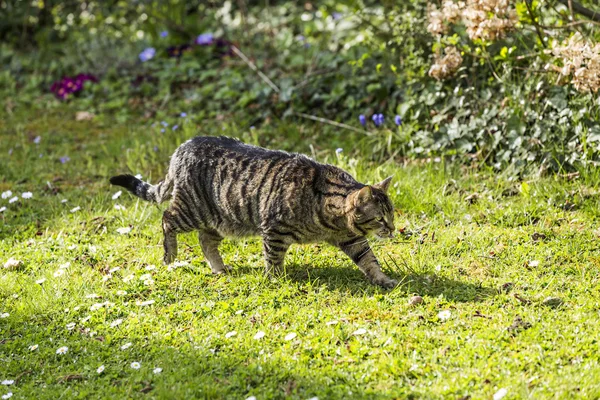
(380,219)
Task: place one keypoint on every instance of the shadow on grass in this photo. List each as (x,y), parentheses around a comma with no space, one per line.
(350,280)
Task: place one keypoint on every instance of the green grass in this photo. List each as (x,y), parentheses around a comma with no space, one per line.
(474,260)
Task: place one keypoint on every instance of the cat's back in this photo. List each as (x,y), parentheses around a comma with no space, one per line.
(223,147)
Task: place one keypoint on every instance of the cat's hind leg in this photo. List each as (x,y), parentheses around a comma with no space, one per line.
(170,237)
(209,241)
(274,249)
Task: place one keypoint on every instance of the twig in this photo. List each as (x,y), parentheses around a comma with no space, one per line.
(255,68)
(581,10)
(534,22)
(330,122)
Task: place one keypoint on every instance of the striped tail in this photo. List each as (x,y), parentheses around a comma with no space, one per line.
(145,191)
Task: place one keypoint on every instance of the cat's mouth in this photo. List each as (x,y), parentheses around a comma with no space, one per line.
(384,234)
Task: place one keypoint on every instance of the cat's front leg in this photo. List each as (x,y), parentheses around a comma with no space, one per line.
(274,250)
(360,252)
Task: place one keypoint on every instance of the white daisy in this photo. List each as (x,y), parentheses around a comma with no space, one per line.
(92,296)
(59,272)
(145,277)
(500,394)
(106,278)
(126,346)
(65,265)
(119,207)
(157,370)
(533,263)
(334,322)
(150,267)
(40,281)
(8,382)
(444,315)
(259,335)
(359,331)
(230,334)
(62,350)
(116,322)
(74,210)
(239,312)
(71,326)
(85,319)
(7,396)
(4,315)
(290,336)
(33,347)
(116,195)
(100,369)
(128,278)
(7,194)
(113,270)
(27,195)
(64,201)
(12,200)
(93,249)
(251,398)
(124,231)
(144,303)
(135,365)
(2,209)
(12,263)
(121,292)
(96,306)
(149,282)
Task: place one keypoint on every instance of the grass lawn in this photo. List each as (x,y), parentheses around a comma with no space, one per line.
(485,253)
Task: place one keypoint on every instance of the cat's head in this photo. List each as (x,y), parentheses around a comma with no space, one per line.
(369,210)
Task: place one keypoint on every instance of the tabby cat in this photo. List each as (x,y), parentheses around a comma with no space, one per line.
(222,187)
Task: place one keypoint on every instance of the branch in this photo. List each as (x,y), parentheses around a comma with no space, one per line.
(581,10)
(534,22)
(255,68)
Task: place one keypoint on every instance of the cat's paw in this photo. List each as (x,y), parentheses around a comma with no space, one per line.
(223,270)
(386,282)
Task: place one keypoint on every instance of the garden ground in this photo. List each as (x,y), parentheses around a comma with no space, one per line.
(507,269)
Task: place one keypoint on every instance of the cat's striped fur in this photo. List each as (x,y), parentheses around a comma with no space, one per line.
(222,187)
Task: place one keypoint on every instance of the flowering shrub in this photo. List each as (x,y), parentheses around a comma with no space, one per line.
(67,86)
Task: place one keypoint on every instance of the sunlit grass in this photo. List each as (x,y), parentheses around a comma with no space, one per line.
(484,264)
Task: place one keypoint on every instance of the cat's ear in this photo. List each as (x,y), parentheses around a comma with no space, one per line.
(384,184)
(363,196)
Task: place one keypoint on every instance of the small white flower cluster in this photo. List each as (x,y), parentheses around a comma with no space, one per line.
(484,19)
(581,63)
(446,66)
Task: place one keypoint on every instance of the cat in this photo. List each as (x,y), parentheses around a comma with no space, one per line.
(222,187)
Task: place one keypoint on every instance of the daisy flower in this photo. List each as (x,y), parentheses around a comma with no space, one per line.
(290,336)
(230,334)
(27,195)
(2,209)
(33,347)
(124,231)
(126,346)
(116,322)
(62,350)
(7,396)
(59,272)
(259,335)
(12,263)
(7,194)
(74,210)
(100,369)
(157,370)
(135,365)
(444,315)
(4,315)
(71,326)
(40,281)
(359,331)
(12,200)
(144,303)
(121,292)
(8,382)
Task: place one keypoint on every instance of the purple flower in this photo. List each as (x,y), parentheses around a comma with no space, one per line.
(336,16)
(64,159)
(162,130)
(175,127)
(378,119)
(37,140)
(165,124)
(183,115)
(300,38)
(177,51)
(339,150)
(362,119)
(155,148)
(147,54)
(205,39)
(398,120)
(164,34)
